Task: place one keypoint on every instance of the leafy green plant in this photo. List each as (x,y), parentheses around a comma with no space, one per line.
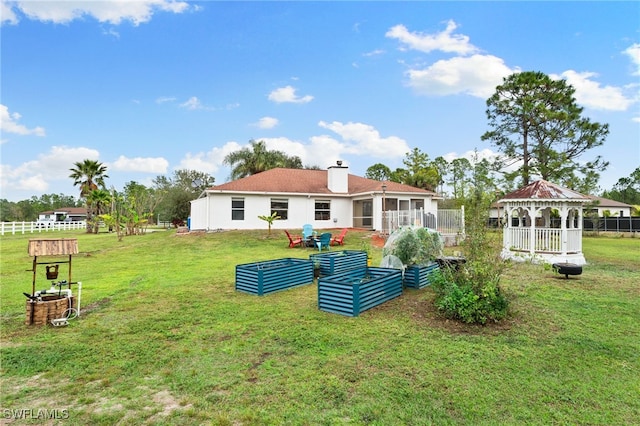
(414,246)
(470,294)
(270,219)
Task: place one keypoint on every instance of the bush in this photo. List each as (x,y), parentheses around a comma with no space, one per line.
(470,294)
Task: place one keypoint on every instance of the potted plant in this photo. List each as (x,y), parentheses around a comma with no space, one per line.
(417,249)
(316,268)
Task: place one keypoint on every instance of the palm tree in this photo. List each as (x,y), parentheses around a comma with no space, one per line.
(249,161)
(100,199)
(89,175)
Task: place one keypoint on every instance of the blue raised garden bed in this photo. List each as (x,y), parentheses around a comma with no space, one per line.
(337,262)
(419,276)
(273,275)
(359,289)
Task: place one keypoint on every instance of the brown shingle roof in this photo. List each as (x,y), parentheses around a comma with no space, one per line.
(305,181)
(543,190)
(605,202)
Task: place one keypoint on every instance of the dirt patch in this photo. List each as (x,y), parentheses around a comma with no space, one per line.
(377,240)
(96,305)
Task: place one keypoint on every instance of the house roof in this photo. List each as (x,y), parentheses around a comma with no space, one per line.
(605,202)
(68,210)
(543,190)
(306,181)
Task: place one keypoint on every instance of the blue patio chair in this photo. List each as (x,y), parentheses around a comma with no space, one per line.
(324,241)
(307,231)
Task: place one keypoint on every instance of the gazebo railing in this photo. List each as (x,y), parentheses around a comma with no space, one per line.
(548,240)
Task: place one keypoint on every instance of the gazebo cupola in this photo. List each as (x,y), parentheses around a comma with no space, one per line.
(543,224)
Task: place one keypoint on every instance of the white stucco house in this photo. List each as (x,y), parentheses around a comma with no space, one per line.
(64,214)
(331,198)
(604,207)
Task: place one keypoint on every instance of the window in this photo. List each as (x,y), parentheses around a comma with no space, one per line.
(323,210)
(281,207)
(237,209)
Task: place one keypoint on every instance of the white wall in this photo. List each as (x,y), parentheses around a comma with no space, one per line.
(199,214)
(301,210)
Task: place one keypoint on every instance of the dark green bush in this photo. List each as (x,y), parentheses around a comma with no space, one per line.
(471,294)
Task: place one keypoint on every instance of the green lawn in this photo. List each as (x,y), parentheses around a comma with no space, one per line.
(163,338)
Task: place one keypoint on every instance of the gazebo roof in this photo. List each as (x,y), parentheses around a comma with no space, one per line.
(543,190)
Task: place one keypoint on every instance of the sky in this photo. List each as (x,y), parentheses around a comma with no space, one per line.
(148,87)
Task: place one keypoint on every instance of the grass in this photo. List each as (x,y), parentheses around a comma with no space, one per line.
(163,338)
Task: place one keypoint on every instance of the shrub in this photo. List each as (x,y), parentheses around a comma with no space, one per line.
(470,294)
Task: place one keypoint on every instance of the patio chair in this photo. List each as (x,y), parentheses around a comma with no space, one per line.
(324,241)
(307,231)
(307,234)
(339,240)
(295,240)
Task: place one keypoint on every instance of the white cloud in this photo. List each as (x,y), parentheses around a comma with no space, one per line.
(376,52)
(192,104)
(36,176)
(361,138)
(208,162)
(633,52)
(112,12)
(476,75)
(165,99)
(590,94)
(7,15)
(444,41)
(156,165)
(9,124)
(267,123)
(288,94)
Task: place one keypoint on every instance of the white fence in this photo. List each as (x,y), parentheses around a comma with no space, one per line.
(33,227)
(450,223)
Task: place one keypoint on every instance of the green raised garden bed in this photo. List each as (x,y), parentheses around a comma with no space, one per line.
(337,262)
(357,290)
(273,275)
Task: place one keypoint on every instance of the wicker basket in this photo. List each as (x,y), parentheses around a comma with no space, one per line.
(41,313)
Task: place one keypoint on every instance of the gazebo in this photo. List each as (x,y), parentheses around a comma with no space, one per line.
(543,224)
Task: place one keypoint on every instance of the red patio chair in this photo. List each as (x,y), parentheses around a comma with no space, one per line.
(339,240)
(294,240)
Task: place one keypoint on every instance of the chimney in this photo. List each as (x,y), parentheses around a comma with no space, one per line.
(338,178)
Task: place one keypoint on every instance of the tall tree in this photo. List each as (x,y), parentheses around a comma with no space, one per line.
(627,189)
(378,172)
(100,200)
(178,191)
(89,175)
(535,120)
(420,172)
(257,158)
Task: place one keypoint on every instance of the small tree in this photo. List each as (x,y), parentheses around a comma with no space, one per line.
(270,219)
(471,293)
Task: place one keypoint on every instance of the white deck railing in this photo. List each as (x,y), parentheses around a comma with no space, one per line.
(548,240)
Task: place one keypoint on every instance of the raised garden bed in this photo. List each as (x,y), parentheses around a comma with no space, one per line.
(273,275)
(357,290)
(419,276)
(337,262)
